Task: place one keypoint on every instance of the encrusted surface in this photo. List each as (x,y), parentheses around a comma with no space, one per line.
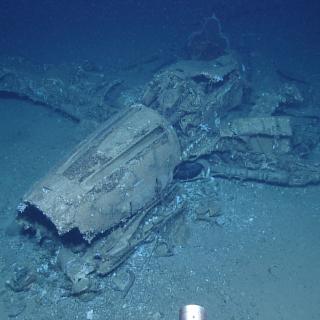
(120,169)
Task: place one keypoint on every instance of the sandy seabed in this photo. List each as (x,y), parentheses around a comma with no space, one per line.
(260,261)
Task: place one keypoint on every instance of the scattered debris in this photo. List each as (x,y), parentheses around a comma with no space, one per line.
(22,279)
(262,141)
(193,96)
(77,271)
(76,91)
(269,103)
(163,249)
(122,281)
(89,315)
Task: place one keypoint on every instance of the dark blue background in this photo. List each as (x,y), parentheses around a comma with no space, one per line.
(119,31)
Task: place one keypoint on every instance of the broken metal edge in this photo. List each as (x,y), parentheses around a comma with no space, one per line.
(34,220)
(30,214)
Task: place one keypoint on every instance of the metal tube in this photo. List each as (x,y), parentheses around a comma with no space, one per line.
(192,312)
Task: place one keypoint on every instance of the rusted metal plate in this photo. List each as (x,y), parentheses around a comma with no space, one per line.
(115,173)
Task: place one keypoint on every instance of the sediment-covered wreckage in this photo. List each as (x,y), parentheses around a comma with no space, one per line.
(197,118)
(119,170)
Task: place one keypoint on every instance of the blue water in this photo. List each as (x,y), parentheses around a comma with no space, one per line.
(266,264)
(109,31)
